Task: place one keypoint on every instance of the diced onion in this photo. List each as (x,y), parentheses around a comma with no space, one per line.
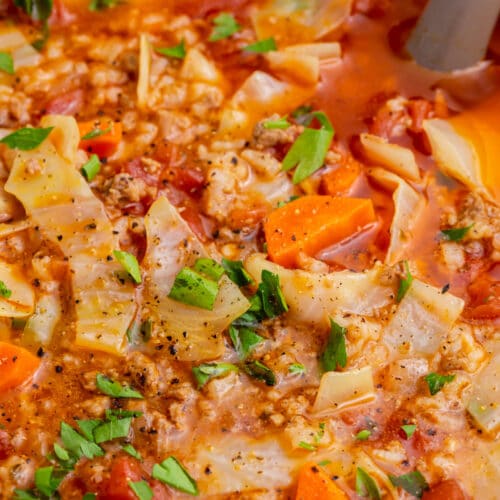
(21,302)
(196,333)
(23,53)
(340,390)
(313,297)
(396,158)
(198,68)
(423,319)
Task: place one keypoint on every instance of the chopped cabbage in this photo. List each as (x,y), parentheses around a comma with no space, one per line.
(20,301)
(14,42)
(396,158)
(313,297)
(59,201)
(340,390)
(41,325)
(423,319)
(196,333)
(407,206)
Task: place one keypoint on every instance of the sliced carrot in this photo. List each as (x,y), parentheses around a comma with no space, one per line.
(339,181)
(312,223)
(17,365)
(104,136)
(315,484)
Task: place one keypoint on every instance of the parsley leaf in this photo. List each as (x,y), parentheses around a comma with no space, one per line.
(79,445)
(209,268)
(61,453)
(38,10)
(309,150)
(436,381)
(280,123)
(307,446)
(46,481)
(171,472)
(116,428)
(261,46)
(272,298)
(128,448)
(95,132)
(260,371)
(244,340)
(114,389)
(363,435)
(335,353)
(87,427)
(141,490)
(24,495)
(366,485)
(194,289)
(413,482)
(207,371)
(409,430)
(225,25)
(297,368)
(177,51)
(114,413)
(6,63)
(405,283)
(130,264)
(27,138)
(89,496)
(236,272)
(4,290)
(456,233)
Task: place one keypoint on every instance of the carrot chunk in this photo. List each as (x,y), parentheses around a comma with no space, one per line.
(101,136)
(16,366)
(312,223)
(339,181)
(315,484)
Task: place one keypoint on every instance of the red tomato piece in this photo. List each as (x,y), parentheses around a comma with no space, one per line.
(6,448)
(123,470)
(68,103)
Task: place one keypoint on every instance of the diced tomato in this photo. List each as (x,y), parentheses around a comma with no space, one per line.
(136,169)
(420,110)
(484,295)
(68,103)
(251,216)
(200,225)
(123,470)
(200,8)
(104,136)
(446,490)
(6,448)
(187,179)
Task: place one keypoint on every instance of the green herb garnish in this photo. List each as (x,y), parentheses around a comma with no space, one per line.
(309,150)
(116,428)
(115,389)
(272,298)
(130,264)
(335,353)
(95,132)
(4,290)
(261,46)
(236,272)
(128,448)
(456,233)
(297,368)
(207,371)
(363,435)
(79,445)
(96,5)
(225,25)
(409,430)
(244,340)
(436,381)
(177,51)
(171,472)
(280,123)
(26,139)
(141,490)
(194,289)
(6,63)
(260,371)
(209,268)
(405,283)
(307,446)
(91,168)
(366,485)
(413,482)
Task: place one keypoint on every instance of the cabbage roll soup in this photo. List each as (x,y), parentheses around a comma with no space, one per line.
(249,249)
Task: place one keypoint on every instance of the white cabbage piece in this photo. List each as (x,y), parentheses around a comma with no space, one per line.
(21,300)
(397,159)
(454,155)
(311,20)
(198,68)
(422,320)
(340,390)
(59,201)
(144,70)
(15,43)
(313,297)
(196,333)
(41,325)
(383,482)
(484,405)
(408,205)
(239,464)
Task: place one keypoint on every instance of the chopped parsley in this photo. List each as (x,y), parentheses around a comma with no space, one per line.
(436,381)
(112,429)
(6,63)
(413,482)
(244,340)
(192,288)
(409,430)
(171,472)
(366,485)
(456,233)
(79,445)
(128,448)
(91,168)
(363,435)
(271,296)
(115,389)
(95,132)
(335,353)
(309,150)
(27,138)
(280,123)
(307,446)
(209,268)
(130,264)
(4,290)
(405,283)
(46,482)
(236,272)
(225,25)
(177,51)
(260,371)
(141,490)
(297,369)
(40,11)
(261,46)
(207,371)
